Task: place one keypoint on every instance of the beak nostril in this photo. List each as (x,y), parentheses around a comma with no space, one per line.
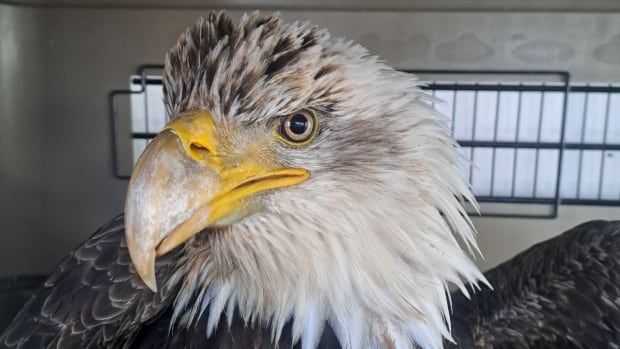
(199,151)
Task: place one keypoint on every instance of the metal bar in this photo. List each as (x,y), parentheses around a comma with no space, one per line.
(113,122)
(473,138)
(552,215)
(494,150)
(603,89)
(481,87)
(153,80)
(565,75)
(541,107)
(561,88)
(548,201)
(454,97)
(114,114)
(522,88)
(558,183)
(433,101)
(514,159)
(591,202)
(515,199)
(582,138)
(541,145)
(143,135)
(602,170)
(491,144)
(600,89)
(146,102)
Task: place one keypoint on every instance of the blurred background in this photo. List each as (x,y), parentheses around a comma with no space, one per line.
(532,88)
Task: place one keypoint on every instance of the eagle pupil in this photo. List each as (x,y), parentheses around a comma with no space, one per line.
(298,124)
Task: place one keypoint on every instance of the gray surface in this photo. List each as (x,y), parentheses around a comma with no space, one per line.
(349,5)
(57,66)
(21,143)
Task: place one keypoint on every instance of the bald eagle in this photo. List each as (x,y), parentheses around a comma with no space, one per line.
(306,195)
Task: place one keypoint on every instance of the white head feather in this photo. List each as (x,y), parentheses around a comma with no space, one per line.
(370,243)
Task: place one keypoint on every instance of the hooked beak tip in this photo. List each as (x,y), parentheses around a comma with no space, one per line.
(144,265)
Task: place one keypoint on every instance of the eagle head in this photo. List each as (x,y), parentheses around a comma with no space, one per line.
(306,182)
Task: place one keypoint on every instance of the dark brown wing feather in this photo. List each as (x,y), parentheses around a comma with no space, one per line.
(561,293)
(93,299)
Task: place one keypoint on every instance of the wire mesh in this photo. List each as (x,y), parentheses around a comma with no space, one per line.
(534,140)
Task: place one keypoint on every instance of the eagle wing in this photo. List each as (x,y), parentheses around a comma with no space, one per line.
(561,293)
(94,298)
(564,292)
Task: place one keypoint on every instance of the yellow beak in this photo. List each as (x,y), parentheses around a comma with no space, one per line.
(183,184)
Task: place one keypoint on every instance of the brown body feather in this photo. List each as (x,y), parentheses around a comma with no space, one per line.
(561,293)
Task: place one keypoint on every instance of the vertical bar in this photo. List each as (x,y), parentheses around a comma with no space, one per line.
(146,104)
(473,136)
(603,151)
(494,149)
(558,199)
(514,159)
(433,94)
(113,104)
(454,99)
(582,138)
(540,117)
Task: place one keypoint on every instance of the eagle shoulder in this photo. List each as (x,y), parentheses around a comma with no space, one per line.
(94,298)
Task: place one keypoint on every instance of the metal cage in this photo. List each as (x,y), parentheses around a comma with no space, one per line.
(511,125)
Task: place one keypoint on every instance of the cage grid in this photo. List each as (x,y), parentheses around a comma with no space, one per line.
(534,140)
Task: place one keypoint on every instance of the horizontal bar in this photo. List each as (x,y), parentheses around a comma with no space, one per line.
(516,200)
(461,87)
(493,87)
(500,144)
(468,87)
(563,74)
(444,87)
(594,89)
(548,201)
(484,144)
(591,146)
(143,135)
(538,145)
(591,202)
(525,88)
(535,88)
(550,215)
(147,81)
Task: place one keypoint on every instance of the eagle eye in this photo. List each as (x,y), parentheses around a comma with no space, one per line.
(298,128)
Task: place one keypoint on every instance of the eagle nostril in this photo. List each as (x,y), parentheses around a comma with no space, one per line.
(199,151)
